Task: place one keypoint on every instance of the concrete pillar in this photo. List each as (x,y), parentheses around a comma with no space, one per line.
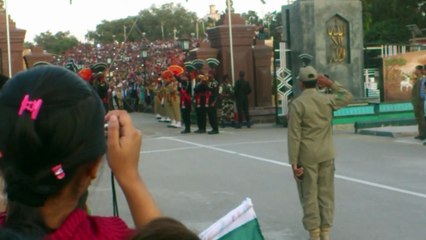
(332,32)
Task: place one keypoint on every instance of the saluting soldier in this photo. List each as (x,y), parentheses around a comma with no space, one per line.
(311,150)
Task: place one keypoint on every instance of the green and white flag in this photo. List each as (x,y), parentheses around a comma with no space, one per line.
(239,224)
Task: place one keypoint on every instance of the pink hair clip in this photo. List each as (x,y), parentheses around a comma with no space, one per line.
(31,106)
(58,171)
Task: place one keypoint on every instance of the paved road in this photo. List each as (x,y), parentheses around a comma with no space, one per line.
(380,182)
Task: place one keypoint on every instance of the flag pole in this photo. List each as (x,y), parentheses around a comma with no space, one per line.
(9,59)
(231,45)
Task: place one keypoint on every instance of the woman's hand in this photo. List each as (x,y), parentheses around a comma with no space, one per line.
(124,144)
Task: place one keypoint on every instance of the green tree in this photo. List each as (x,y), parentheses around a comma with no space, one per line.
(28,45)
(272,21)
(167,21)
(231,4)
(154,23)
(251,18)
(116,30)
(384,18)
(210,22)
(57,43)
(387,32)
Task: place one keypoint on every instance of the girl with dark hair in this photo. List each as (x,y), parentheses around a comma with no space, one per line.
(165,228)
(3,80)
(51,145)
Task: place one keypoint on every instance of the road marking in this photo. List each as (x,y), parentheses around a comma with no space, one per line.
(244,143)
(409,141)
(169,150)
(349,179)
(382,186)
(264,160)
(199,145)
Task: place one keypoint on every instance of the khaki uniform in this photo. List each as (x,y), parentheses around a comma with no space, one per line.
(158,99)
(310,144)
(172,103)
(418,105)
(119,94)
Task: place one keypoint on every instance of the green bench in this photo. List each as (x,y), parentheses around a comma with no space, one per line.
(376,115)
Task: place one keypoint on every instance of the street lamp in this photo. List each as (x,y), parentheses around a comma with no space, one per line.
(184,43)
(109,61)
(144,52)
(144,55)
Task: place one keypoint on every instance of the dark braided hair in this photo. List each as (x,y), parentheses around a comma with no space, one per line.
(67,132)
(3,80)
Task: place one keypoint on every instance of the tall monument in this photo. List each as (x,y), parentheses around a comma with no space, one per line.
(332,32)
(17,37)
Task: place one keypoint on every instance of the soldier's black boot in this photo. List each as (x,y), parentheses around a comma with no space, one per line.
(185,131)
(213,132)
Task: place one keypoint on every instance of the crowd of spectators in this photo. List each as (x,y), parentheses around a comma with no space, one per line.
(129,72)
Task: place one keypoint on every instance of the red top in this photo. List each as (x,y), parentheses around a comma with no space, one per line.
(81,226)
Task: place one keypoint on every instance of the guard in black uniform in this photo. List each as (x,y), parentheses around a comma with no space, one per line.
(206,95)
(213,89)
(100,84)
(242,90)
(185,90)
(201,102)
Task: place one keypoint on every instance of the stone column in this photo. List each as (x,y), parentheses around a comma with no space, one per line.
(204,51)
(17,37)
(332,32)
(242,46)
(262,73)
(37,54)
